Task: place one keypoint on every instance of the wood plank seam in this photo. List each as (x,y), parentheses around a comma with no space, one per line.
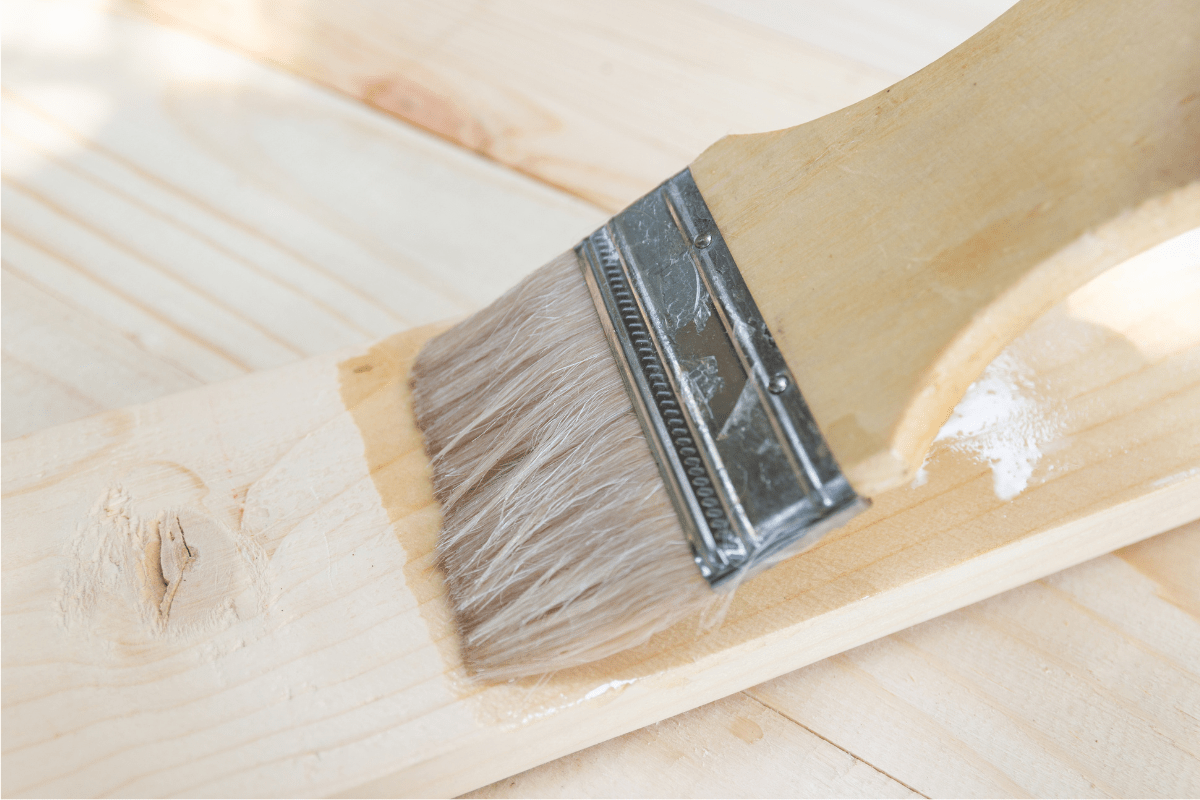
(765,704)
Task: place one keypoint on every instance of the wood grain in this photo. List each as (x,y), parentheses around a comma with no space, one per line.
(99,352)
(558,91)
(60,365)
(899,36)
(975,725)
(747,750)
(1082,684)
(221,217)
(909,165)
(899,244)
(303,616)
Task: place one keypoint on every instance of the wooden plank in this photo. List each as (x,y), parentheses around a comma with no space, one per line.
(219,216)
(761,753)
(558,91)
(897,245)
(953,711)
(59,353)
(60,365)
(308,645)
(1069,686)
(897,36)
(435,58)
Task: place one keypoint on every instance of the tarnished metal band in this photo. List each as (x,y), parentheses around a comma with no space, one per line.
(746,467)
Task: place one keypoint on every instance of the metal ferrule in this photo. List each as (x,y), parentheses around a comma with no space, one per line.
(749,473)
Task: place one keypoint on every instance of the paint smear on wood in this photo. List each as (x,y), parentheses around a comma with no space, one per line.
(1002,422)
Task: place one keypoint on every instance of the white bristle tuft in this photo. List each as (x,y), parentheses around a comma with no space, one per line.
(559,543)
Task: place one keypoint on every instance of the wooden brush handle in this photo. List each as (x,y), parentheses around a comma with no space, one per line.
(896,246)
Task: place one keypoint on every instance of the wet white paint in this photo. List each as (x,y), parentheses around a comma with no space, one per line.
(563,705)
(1001,422)
(606,687)
(1176,478)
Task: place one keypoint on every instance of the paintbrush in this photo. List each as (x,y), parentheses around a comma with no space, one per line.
(727,369)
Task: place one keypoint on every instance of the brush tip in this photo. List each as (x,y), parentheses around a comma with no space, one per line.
(559,544)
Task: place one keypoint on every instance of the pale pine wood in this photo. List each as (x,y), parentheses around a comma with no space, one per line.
(897,36)
(308,618)
(555,90)
(954,713)
(698,735)
(423,63)
(210,216)
(761,754)
(878,35)
(1082,684)
(59,365)
(896,246)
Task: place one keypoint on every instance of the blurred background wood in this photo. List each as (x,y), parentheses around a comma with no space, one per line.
(175,215)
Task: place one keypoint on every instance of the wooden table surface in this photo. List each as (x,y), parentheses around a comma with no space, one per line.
(178,212)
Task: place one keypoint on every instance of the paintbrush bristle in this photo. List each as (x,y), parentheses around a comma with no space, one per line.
(559,543)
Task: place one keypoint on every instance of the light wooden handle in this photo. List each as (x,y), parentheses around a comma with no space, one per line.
(895,247)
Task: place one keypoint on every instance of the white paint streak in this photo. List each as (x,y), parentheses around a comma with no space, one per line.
(922,476)
(1176,478)
(1000,422)
(601,689)
(563,706)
